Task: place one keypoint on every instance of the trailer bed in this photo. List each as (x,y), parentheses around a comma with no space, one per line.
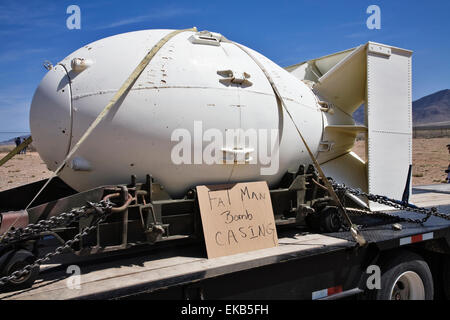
(316,261)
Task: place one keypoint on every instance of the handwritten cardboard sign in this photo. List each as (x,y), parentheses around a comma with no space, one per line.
(236,218)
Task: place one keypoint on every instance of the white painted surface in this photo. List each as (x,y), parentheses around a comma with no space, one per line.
(389,124)
(379,76)
(179,86)
(184,83)
(51,121)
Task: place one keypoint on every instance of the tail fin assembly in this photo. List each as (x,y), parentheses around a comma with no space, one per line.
(378,76)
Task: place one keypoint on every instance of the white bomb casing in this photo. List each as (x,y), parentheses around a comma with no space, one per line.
(185,83)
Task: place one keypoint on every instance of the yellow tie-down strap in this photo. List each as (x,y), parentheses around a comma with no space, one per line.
(16,150)
(353,229)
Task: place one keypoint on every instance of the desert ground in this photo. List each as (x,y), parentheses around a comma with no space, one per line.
(430,160)
(22,169)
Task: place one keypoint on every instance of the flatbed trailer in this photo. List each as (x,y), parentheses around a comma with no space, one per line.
(304,265)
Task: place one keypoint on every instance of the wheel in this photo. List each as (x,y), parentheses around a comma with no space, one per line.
(17,261)
(325,219)
(404,276)
(330,221)
(408,286)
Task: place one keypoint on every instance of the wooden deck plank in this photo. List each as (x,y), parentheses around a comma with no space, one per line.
(113,276)
(150,268)
(430,199)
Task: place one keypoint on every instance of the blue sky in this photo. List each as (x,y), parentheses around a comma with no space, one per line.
(287,32)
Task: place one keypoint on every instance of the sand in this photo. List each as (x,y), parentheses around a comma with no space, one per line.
(22,169)
(430,160)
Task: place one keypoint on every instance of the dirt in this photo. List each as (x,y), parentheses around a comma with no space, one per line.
(22,169)
(430,160)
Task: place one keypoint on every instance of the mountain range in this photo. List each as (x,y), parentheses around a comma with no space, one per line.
(430,109)
(12,140)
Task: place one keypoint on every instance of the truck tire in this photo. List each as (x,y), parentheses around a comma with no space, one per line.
(17,261)
(404,276)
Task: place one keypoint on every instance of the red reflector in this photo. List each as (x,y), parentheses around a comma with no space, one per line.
(334,290)
(416,238)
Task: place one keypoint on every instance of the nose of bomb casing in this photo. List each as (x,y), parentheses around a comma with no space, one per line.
(50,117)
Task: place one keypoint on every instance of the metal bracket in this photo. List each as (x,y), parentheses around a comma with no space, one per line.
(48,65)
(326,107)
(206,37)
(235,77)
(326,146)
(80,64)
(80,164)
(153,228)
(154,232)
(238,155)
(382,50)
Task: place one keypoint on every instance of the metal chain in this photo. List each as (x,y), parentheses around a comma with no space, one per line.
(102,209)
(375,214)
(401,205)
(31,230)
(381,215)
